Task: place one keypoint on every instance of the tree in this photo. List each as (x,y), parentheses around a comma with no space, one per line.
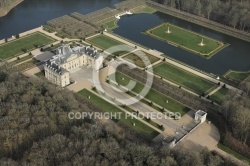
(233,18)
(198,8)
(241,123)
(24,50)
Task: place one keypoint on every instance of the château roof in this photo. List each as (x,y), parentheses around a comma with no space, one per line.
(64,52)
(53,66)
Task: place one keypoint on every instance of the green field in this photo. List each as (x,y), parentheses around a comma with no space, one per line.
(105,42)
(138,58)
(139,126)
(220,95)
(183,78)
(111,24)
(237,76)
(146,9)
(152,95)
(27,43)
(186,39)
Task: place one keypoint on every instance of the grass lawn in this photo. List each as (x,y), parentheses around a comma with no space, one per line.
(220,95)
(186,39)
(152,95)
(183,78)
(105,42)
(23,44)
(111,24)
(19,60)
(237,76)
(138,58)
(139,126)
(234,153)
(146,9)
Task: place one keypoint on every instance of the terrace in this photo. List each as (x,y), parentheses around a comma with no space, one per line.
(24,44)
(184,78)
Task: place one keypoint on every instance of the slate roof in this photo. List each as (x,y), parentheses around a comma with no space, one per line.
(53,66)
(64,52)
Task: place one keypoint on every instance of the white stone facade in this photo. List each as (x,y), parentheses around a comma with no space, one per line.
(200,115)
(57,69)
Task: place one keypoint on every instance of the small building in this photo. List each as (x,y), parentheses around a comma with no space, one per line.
(200,115)
(169,141)
(58,68)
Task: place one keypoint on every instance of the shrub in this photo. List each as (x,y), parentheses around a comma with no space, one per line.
(24,50)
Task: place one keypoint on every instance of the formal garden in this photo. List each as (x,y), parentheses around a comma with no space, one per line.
(186,39)
(237,76)
(153,95)
(184,78)
(220,95)
(141,59)
(105,42)
(108,107)
(24,44)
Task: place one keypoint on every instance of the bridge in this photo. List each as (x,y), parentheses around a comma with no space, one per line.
(118,16)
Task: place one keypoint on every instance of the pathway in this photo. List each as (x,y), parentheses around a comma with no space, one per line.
(206,135)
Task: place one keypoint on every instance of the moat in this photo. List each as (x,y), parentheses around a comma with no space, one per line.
(32,13)
(235,57)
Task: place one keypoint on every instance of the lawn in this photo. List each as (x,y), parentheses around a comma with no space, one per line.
(111,23)
(183,78)
(23,44)
(220,95)
(146,9)
(139,126)
(237,76)
(141,59)
(187,40)
(19,60)
(152,95)
(105,42)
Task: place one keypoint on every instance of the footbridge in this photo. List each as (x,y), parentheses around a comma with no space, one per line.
(118,16)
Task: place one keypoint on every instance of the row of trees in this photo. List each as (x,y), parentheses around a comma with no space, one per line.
(236,111)
(235,13)
(170,90)
(35,130)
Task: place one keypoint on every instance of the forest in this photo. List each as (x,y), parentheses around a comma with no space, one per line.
(234,13)
(35,130)
(236,112)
